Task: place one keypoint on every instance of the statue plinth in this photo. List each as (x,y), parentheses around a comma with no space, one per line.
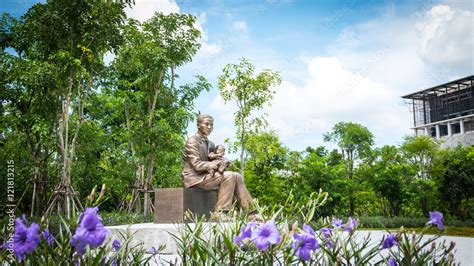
(172,203)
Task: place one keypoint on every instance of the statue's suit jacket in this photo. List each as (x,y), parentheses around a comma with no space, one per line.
(196,162)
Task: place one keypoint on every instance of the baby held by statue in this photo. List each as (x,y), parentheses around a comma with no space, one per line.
(223,164)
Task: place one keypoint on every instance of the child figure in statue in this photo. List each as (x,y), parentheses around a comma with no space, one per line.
(223,164)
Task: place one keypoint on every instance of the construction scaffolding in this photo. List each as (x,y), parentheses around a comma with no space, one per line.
(445,109)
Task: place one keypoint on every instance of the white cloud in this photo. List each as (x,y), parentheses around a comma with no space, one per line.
(207,49)
(302,114)
(145,9)
(240,25)
(446,36)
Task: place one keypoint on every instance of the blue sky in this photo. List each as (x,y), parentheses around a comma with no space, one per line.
(345,60)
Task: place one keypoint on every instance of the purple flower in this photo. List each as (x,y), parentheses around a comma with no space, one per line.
(116,245)
(435,218)
(327,233)
(305,243)
(152,250)
(90,232)
(392,262)
(336,223)
(265,234)
(245,233)
(390,241)
(308,229)
(351,225)
(48,237)
(25,239)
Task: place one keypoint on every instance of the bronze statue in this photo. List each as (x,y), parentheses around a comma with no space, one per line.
(204,167)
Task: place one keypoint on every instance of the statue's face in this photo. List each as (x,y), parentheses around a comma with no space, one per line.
(220,149)
(206,126)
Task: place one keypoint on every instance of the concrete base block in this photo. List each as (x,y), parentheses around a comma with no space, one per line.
(172,203)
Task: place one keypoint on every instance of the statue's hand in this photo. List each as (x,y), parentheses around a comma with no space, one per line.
(214,164)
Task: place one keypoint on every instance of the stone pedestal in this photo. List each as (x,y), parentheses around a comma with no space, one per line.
(172,203)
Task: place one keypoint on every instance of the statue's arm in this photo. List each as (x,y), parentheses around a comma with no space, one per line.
(191,150)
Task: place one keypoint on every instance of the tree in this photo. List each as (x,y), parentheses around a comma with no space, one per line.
(354,141)
(456,179)
(72,36)
(30,113)
(250,92)
(156,111)
(420,151)
(321,169)
(265,174)
(389,176)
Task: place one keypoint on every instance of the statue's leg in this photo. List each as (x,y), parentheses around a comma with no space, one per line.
(241,192)
(225,195)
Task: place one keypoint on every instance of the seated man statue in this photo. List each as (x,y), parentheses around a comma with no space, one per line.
(199,170)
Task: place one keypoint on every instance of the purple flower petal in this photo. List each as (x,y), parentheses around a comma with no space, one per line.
(90,232)
(389,241)
(351,225)
(308,229)
(436,218)
(48,237)
(265,234)
(245,233)
(392,262)
(116,245)
(152,250)
(337,223)
(25,239)
(327,233)
(304,254)
(305,243)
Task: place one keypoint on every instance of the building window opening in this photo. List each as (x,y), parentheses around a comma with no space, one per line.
(456,128)
(443,130)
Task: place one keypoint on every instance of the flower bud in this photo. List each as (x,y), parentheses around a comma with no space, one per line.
(451,245)
(294,227)
(91,196)
(102,192)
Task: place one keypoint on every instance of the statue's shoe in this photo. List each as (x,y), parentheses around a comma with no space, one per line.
(220,217)
(255,217)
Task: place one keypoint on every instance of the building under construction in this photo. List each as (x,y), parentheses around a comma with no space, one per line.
(445,112)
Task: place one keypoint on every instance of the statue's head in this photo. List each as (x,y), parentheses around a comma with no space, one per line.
(205,124)
(220,149)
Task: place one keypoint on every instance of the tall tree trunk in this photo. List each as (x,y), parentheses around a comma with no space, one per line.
(143,184)
(242,147)
(64,196)
(147,208)
(350,155)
